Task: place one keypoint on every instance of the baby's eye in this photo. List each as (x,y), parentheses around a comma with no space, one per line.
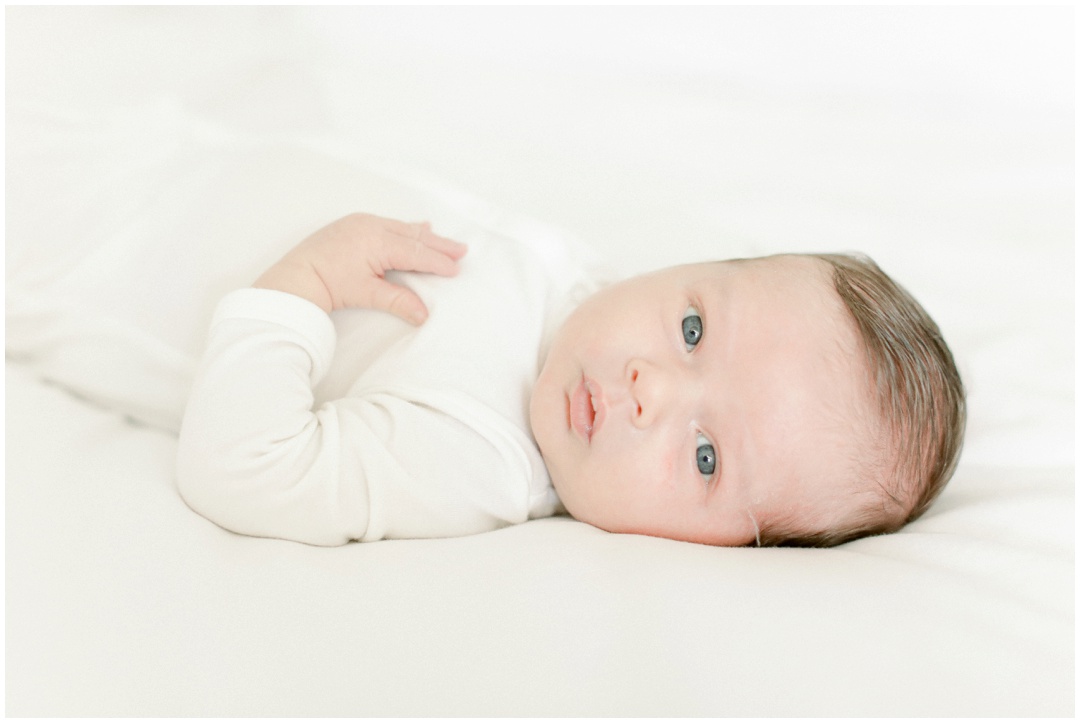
(706,456)
(691,328)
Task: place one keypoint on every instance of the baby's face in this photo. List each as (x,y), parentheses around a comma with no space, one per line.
(691,402)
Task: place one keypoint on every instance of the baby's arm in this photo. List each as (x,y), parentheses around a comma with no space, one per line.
(254,457)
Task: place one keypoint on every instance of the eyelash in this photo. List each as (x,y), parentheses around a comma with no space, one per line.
(705,455)
(693,331)
(691,328)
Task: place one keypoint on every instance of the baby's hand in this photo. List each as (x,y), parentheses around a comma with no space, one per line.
(343,265)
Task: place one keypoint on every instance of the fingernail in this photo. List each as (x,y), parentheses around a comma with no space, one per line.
(417,317)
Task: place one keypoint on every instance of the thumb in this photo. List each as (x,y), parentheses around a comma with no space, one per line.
(399,301)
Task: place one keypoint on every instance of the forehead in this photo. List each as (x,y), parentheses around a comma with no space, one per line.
(780,299)
(782,278)
(789,355)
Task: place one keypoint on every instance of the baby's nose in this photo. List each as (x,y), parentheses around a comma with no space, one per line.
(651,391)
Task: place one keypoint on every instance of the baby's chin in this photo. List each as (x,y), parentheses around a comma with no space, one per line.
(568,497)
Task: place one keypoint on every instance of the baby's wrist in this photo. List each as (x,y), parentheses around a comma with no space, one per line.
(298,280)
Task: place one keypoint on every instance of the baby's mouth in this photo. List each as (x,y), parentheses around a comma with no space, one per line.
(586,408)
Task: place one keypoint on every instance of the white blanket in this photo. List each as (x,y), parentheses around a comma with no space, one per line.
(159,156)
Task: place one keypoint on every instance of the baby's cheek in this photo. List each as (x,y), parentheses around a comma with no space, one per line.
(647,465)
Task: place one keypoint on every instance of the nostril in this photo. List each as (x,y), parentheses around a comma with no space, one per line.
(633,375)
(639,410)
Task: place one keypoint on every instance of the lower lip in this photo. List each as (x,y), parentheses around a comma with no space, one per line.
(585,415)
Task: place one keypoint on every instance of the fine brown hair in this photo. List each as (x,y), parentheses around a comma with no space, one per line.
(920,396)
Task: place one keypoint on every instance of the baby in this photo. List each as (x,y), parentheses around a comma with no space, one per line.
(792,399)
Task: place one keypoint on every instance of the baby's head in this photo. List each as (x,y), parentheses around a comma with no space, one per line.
(794,399)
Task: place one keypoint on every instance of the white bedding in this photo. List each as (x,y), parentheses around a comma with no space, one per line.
(157,156)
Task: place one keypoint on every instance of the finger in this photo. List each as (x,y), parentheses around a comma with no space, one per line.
(422,232)
(397,300)
(416,256)
(453,249)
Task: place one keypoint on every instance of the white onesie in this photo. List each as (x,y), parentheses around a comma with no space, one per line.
(356,426)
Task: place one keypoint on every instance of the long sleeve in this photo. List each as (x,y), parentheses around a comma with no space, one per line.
(357,426)
(253,455)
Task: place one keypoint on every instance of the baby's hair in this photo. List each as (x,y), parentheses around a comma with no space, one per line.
(920,397)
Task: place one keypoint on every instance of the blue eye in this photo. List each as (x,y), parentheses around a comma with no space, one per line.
(706,456)
(692,329)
